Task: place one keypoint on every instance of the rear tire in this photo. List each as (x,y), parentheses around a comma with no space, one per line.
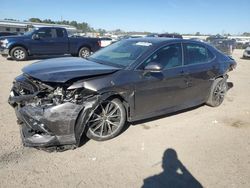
(84,52)
(218,92)
(19,53)
(107,121)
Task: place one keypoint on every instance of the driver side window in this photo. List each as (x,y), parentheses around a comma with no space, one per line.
(45,33)
(169,57)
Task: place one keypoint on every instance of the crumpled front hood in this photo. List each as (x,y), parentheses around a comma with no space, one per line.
(63,69)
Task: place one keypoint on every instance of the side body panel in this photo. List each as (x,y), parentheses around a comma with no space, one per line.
(76,43)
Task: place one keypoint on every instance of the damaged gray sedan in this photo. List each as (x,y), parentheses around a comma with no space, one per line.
(57,101)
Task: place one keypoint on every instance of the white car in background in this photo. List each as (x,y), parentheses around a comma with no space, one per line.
(246,53)
(105,42)
(242,41)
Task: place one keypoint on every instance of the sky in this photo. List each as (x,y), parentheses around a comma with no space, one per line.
(190,16)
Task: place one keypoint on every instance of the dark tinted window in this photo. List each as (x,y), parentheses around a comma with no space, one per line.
(45,33)
(196,54)
(210,55)
(59,32)
(169,56)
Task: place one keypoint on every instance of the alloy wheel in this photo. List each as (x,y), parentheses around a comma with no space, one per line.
(220,92)
(85,53)
(19,54)
(106,120)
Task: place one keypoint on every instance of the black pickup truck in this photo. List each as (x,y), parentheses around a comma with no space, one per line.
(47,41)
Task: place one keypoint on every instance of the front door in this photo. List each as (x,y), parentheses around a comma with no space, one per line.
(49,41)
(157,92)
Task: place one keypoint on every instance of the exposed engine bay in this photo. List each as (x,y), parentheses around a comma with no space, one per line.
(44,109)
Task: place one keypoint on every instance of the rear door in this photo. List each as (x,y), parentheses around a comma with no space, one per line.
(60,41)
(198,70)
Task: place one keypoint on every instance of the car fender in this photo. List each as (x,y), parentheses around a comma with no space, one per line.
(13,44)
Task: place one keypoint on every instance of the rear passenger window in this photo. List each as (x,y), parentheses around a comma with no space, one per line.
(210,55)
(196,54)
(59,33)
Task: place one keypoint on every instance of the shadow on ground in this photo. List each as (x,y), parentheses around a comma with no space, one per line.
(174,175)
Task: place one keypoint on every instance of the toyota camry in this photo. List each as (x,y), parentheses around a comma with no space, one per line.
(57,101)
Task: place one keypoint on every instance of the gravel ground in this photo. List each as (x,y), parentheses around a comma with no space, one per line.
(205,146)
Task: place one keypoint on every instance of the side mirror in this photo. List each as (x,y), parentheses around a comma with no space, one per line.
(153,67)
(35,37)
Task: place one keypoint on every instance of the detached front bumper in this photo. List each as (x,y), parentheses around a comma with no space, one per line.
(52,126)
(32,139)
(46,123)
(33,131)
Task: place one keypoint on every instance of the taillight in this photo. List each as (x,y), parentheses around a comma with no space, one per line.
(233,66)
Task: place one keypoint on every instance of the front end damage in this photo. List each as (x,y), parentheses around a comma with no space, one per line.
(51,114)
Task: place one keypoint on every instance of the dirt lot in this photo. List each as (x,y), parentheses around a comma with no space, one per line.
(204,146)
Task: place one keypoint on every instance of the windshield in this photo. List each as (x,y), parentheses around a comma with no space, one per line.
(122,53)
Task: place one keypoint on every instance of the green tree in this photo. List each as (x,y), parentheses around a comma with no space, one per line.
(101,31)
(48,21)
(74,23)
(35,20)
(246,34)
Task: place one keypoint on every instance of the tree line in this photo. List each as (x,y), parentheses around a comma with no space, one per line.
(83,26)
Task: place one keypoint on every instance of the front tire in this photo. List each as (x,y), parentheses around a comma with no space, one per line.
(218,92)
(107,121)
(19,53)
(84,52)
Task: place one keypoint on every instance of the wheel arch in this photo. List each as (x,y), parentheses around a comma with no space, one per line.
(18,45)
(80,125)
(84,45)
(124,102)
(224,76)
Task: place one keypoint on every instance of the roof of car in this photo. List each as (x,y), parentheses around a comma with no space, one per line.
(158,40)
(152,39)
(49,27)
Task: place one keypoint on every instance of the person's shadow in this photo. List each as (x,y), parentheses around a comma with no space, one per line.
(175,174)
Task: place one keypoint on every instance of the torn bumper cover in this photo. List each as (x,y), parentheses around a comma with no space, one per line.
(56,125)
